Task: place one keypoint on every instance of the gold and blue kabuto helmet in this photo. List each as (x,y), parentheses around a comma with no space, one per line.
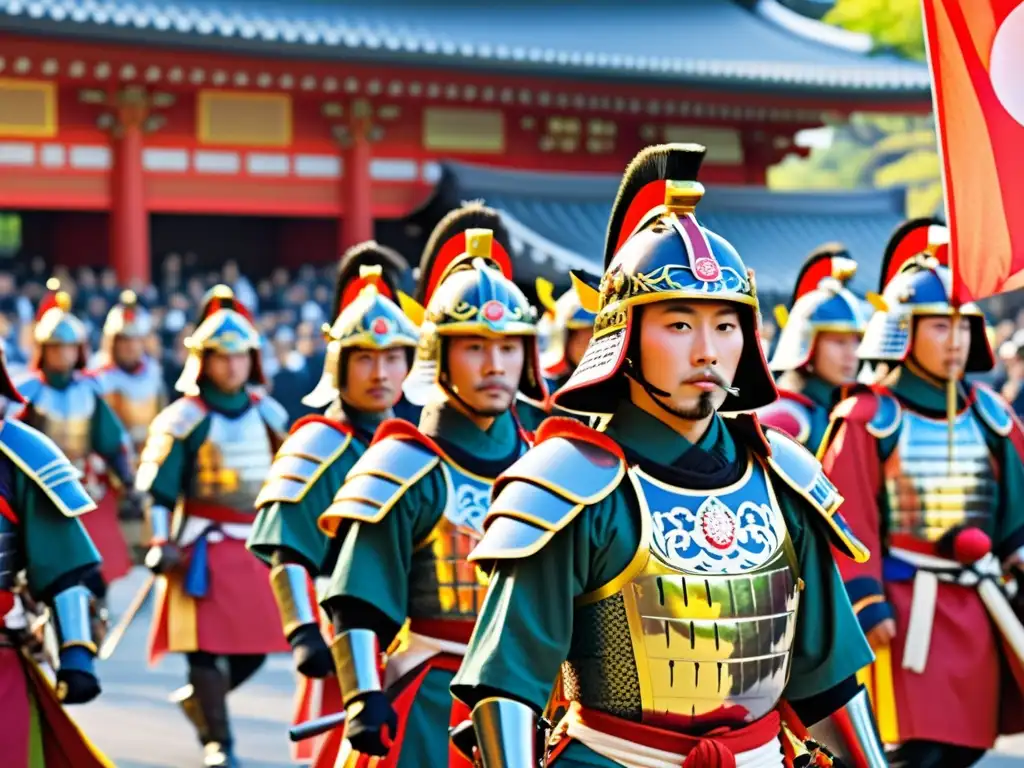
(916,282)
(566,314)
(227,327)
(821,303)
(55,324)
(366,315)
(656,250)
(465,288)
(127,318)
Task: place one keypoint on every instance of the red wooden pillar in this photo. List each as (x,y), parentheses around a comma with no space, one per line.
(356,223)
(129,219)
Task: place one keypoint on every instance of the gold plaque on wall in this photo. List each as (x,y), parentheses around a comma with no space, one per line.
(464,130)
(246,119)
(28,108)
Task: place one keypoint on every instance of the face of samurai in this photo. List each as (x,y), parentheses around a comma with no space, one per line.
(938,351)
(484,372)
(691,350)
(835,357)
(228,372)
(373,378)
(60,358)
(128,351)
(576,345)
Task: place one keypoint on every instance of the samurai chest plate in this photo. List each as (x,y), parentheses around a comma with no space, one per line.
(11,556)
(134,397)
(444,584)
(233,461)
(65,416)
(926,493)
(710,607)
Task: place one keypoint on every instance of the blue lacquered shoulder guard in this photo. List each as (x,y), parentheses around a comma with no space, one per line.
(796,466)
(40,458)
(377,481)
(29,386)
(993,410)
(543,492)
(301,460)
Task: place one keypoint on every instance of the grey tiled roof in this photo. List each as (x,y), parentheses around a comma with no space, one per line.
(562,219)
(698,41)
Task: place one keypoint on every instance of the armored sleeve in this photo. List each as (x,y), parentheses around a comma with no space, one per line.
(112,441)
(166,459)
(829,646)
(310,466)
(376,554)
(1004,435)
(525,628)
(850,456)
(56,545)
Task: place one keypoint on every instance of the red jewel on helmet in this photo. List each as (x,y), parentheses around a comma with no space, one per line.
(494,311)
(719,527)
(381,326)
(707,269)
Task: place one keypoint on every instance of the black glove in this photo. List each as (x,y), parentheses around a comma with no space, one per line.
(76,681)
(162,558)
(371,724)
(310,653)
(133,504)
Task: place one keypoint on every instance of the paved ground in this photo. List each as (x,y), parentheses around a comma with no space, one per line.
(138,728)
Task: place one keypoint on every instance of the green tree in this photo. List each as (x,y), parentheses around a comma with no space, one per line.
(893,24)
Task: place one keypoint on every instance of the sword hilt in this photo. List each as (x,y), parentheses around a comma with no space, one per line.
(313,728)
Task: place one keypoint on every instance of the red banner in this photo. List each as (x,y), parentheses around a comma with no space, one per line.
(976,53)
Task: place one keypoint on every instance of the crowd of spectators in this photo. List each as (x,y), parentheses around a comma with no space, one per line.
(289,307)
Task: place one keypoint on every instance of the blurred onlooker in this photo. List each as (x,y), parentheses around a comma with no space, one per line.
(241,285)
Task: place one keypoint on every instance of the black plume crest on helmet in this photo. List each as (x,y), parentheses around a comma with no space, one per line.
(369,253)
(664,161)
(438,255)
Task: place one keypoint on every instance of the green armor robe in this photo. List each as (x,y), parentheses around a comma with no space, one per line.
(533,619)
(407,562)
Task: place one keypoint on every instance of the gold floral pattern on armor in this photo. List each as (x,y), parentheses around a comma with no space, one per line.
(212,477)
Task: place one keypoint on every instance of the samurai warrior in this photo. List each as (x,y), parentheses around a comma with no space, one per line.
(411,508)
(570,327)
(66,404)
(932,495)
(675,570)
(816,354)
(131,381)
(41,536)
(369,351)
(205,460)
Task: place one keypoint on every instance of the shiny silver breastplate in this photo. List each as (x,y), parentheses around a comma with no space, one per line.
(927,495)
(135,398)
(233,461)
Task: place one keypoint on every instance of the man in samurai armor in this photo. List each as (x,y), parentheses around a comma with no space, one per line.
(676,567)
(131,381)
(931,495)
(412,507)
(66,404)
(570,327)
(205,460)
(816,353)
(41,536)
(369,351)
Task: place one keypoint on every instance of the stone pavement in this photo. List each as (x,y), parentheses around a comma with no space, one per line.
(138,728)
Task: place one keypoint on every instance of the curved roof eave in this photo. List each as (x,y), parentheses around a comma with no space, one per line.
(786,61)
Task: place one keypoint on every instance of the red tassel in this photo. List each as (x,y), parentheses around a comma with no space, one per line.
(710,754)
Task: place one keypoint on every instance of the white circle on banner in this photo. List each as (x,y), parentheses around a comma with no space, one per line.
(1007,63)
